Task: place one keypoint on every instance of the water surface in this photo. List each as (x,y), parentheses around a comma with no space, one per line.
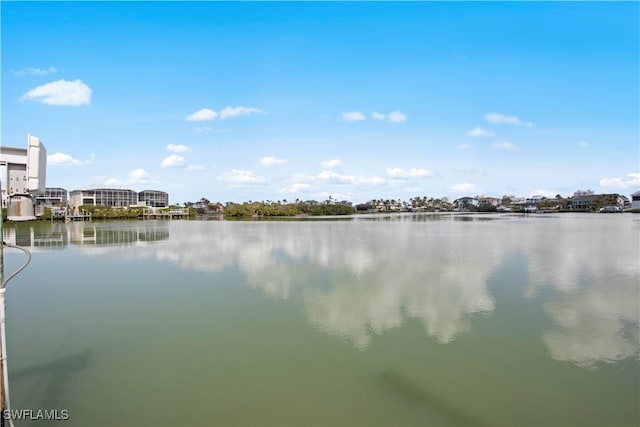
(374,320)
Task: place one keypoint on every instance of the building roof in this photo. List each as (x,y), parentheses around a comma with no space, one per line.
(589,197)
(153,191)
(101,187)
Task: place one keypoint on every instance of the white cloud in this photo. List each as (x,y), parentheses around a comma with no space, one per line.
(546,193)
(498,118)
(272,161)
(173,161)
(63,159)
(465,147)
(239,177)
(394,116)
(60,92)
(136,176)
(414,189)
(465,187)
(411,173)
(225,113)
(584,144)
(469,171)
(34,71)
(200,115)
(296,187)
(114,181)
(330,164)
(324,195)
(302,177)
(397,117)
(338,178)
(139,176)
(194,168)
(628,181)
(178,148)
(480,132)
(231,112)
(505,145)
(353,116)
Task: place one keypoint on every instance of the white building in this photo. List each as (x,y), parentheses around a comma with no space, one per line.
(114,197)
(635,200)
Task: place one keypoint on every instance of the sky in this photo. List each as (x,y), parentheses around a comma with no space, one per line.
(298,100)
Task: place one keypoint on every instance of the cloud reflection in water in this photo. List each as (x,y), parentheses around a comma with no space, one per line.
(358,279)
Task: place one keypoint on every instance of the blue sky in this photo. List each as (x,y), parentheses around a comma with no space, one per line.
(271,101)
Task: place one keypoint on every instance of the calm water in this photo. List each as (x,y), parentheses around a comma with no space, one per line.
(400,320)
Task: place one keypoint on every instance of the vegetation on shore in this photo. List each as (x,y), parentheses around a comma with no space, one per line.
(271,209)
(108,212)
(283,208)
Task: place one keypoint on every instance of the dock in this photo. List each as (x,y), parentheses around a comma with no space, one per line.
(78,216)
(170,214)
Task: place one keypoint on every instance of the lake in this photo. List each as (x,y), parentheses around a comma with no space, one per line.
(416,319)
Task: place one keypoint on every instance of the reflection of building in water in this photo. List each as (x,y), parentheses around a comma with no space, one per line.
(58,235)
(54,237)
(91,234)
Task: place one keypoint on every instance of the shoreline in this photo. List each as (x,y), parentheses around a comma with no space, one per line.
(221,217)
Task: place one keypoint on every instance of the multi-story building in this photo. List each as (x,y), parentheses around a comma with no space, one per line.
(154,198)
(464,203)
(114,197)
(486,200)
(593,201)
(635,200)
(53,196)
(583,202)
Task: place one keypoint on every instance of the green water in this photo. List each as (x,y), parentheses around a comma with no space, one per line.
(401,320)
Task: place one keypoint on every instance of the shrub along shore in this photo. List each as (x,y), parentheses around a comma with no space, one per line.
(262,209)
(232,211)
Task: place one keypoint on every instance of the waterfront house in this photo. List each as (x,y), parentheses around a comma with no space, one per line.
(486,200)
(635,200)
(464,203)
(583,202)
(591,202)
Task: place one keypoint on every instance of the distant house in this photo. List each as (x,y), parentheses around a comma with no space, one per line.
(623,202)
(583,202)
(518,201)
(535,200)
(635,200)
(591,202)
(488,201)
(464,203)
